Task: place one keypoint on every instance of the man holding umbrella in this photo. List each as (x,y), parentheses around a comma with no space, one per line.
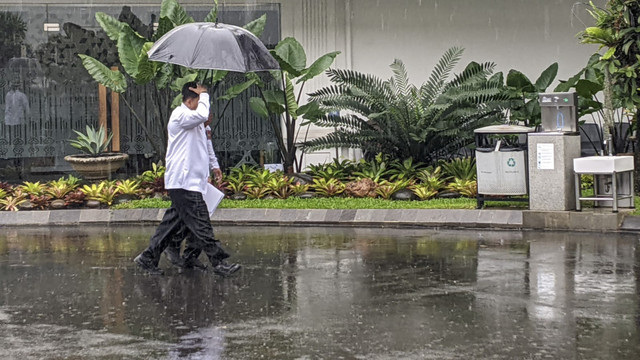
(185,179)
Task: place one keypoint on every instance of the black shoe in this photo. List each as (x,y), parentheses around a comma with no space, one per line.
(224,269)
(173,255)
(147,265)
(194,264)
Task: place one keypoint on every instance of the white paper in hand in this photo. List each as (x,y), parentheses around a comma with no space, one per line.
(212,196)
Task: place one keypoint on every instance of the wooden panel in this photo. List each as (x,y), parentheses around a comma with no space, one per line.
(115,119)
(102,106)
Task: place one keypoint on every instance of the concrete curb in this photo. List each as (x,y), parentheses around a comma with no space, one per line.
(595,221)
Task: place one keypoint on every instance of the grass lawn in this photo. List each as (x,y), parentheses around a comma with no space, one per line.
(347,203)
(332,203)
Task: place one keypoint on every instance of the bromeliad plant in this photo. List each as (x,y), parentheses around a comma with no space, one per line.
(280,186)
(12,202)
(460,168)
(328,188)
(464,187)
(128,187)
(386,189)
(33,188)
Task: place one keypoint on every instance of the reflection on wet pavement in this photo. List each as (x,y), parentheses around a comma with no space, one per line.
(330,293)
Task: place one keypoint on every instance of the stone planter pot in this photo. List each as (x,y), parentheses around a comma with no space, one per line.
(99,167)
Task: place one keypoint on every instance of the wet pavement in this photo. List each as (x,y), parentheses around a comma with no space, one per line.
(323,293)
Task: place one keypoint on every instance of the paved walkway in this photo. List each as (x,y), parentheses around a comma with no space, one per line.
(587,220)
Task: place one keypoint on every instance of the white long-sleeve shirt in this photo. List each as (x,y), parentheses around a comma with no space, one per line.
(213,159)
(187,150)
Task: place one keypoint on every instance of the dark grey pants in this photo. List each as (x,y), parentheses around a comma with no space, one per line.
(188,215)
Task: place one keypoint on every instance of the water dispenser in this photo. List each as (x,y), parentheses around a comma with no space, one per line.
(559,112)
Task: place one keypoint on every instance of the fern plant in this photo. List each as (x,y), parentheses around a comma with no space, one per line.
(402,120)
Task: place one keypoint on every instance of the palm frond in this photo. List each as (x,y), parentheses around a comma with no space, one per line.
(432,88)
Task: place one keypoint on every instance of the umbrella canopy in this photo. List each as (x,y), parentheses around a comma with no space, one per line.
(213,46)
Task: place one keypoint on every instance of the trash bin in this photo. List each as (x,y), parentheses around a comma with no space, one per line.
(501,163)
(501,170)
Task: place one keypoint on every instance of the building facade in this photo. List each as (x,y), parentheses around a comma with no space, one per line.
(40,48)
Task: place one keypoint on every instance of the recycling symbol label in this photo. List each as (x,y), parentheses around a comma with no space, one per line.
(511,162)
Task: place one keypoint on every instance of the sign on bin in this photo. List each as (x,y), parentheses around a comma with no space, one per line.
(501,172)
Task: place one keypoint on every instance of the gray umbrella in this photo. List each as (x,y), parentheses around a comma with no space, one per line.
(213,46)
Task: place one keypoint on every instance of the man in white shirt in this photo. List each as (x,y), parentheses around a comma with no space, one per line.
(16,109)
(173,249)
(185,179)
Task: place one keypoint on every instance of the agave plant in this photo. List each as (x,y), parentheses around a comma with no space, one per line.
(402,120)
(93,142)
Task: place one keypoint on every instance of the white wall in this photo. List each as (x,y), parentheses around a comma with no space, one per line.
(526,35)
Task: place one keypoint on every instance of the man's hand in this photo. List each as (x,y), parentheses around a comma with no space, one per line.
(217,174)
(199,89)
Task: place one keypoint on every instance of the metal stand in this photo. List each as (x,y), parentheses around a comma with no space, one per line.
(602,197)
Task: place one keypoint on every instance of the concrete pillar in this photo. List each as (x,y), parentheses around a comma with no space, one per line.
(551,180)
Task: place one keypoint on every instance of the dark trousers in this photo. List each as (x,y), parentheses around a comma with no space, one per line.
(188,214)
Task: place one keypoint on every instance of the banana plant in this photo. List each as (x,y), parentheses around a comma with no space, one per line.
(285,103)
(523,93)
(167,79)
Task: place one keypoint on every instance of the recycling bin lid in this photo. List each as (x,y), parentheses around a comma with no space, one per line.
(511,149)
(504,129)
(485,149)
